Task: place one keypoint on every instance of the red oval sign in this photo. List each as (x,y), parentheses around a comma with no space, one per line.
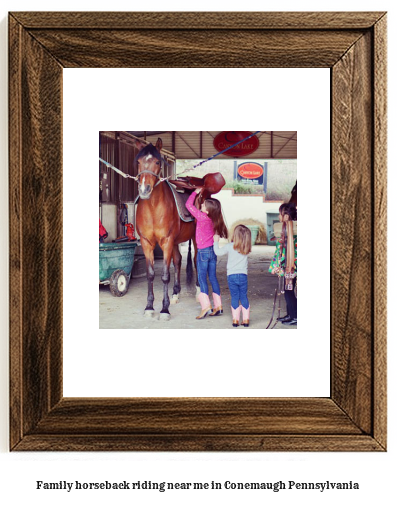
(250,170)
(227,138)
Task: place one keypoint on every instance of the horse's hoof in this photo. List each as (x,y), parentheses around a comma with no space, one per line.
(175,299)
(164,316)
(149,314)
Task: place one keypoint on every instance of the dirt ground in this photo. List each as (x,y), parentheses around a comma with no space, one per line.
(127,312)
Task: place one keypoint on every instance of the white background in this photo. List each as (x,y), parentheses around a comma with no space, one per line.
(18,472)
(281,362)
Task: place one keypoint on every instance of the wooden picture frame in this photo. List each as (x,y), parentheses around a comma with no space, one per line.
(353,46)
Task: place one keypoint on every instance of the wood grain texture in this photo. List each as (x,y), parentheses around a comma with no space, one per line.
(302,416)
(380,229)
(198,443)
(202,21)
(353,45)
(36,227)
(196,48)
(15,230)
(352,232)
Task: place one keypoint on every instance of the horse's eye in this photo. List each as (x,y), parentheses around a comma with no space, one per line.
(157,163)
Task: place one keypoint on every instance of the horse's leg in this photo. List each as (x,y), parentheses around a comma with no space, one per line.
(177,260)
(195,266)
(167,247)
(148,250)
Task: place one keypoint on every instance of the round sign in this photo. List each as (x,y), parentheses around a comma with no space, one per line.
(250,170)
(227,138)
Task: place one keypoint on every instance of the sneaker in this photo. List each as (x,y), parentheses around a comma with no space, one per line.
(286,317)
(291,322)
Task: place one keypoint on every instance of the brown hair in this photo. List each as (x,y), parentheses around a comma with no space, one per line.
(214,209)
(241,239)
(288,208)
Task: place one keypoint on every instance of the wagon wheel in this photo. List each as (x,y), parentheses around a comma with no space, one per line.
(119,282)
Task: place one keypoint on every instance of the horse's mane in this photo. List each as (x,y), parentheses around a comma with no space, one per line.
(149,149)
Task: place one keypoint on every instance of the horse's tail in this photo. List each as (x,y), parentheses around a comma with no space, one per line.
(189,266)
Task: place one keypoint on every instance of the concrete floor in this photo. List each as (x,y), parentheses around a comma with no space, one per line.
(127,312)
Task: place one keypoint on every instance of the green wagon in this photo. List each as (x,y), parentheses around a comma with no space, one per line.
(115,266)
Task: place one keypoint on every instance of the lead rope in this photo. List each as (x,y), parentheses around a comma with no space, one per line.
(277,292)
(281,282)
(124,175)
(136,178)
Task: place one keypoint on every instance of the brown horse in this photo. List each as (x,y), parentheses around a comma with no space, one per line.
(157,221)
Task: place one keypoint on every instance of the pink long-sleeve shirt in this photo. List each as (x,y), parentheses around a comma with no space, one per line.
(204,227)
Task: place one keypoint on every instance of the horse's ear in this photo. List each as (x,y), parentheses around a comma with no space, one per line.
(138,145)
(159,144)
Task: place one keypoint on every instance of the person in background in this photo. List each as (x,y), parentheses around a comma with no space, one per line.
(237,271)
(209,222)
(103,233)
(285,261)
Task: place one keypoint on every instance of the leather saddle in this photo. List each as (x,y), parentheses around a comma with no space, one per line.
(210,184)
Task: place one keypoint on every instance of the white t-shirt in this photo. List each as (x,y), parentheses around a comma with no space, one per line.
(237,263)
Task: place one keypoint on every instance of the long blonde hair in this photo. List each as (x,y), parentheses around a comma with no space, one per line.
(241,240)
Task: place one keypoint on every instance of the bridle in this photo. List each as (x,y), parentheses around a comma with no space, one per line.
(146,171)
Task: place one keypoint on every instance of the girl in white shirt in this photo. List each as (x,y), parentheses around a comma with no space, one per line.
(237,271)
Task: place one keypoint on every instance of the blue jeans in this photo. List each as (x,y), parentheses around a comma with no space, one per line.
(238,285)
(206,264)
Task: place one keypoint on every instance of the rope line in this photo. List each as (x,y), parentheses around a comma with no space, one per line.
(124,175)
(136,178)
(220,152)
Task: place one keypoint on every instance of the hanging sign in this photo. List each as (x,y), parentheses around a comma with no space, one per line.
(227,138)
(250,170)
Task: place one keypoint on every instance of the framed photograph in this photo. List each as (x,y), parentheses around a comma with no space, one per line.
(249,196)
(353,46)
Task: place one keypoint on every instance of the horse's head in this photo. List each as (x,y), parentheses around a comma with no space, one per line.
(148,161)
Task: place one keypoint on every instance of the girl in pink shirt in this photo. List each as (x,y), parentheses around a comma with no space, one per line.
(209,221)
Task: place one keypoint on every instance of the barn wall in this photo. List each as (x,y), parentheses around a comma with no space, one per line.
(245,207)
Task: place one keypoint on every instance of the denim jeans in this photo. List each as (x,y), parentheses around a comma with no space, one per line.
(206,264)
(238,285)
